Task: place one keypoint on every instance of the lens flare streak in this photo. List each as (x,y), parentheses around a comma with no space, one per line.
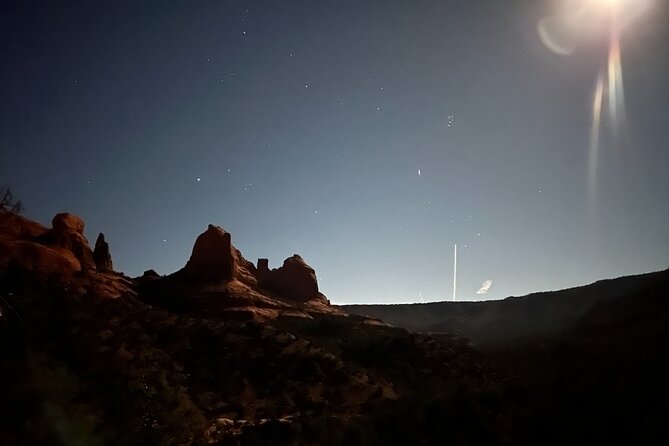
(609,80)
(615,83)
(594,136)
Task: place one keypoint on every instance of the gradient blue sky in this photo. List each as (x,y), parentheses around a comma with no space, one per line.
(300,127)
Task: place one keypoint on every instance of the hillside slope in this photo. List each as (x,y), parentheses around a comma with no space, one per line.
(537,314)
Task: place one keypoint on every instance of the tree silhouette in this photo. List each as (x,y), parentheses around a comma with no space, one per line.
(8,202)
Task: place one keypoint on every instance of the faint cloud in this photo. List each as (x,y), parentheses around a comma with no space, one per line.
(485,287)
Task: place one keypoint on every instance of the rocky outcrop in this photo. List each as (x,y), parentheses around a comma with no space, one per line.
(68,223)
(294,280)
(44,261)
(68,232)
(150,274)
(211,259)
(217,279)
(14,226)
(215,260)
(61,250)
(101,255)
(263,270)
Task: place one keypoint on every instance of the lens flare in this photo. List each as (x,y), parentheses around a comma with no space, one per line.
(563,32)
(609,79)
(615,83)
(597,100)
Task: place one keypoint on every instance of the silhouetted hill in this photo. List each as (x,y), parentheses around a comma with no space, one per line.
(537,314)
(642,314)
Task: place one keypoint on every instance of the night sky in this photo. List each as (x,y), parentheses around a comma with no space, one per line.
(367,136)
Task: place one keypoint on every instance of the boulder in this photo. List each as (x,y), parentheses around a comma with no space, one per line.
(101,255)
(68,232)
(68,223)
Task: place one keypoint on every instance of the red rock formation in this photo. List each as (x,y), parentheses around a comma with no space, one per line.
(295,280)
(68,233)
(68,223)
(40,259)
(211,259)
(263,270)
(101,255)
(218,278)
(24,243)
(214,260)
(15,226)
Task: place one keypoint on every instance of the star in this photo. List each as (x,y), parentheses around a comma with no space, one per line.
(198,179)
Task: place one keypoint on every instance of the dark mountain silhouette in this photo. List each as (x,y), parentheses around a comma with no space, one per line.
(537,314)
(225,352)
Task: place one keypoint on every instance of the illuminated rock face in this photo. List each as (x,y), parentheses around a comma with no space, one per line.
(62,250)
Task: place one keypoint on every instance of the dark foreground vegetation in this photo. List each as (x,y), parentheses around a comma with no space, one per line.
(80,367)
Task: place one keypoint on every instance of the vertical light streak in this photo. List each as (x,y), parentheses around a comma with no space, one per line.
(597,99)
(609,80)
(615,83)
(455,269)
